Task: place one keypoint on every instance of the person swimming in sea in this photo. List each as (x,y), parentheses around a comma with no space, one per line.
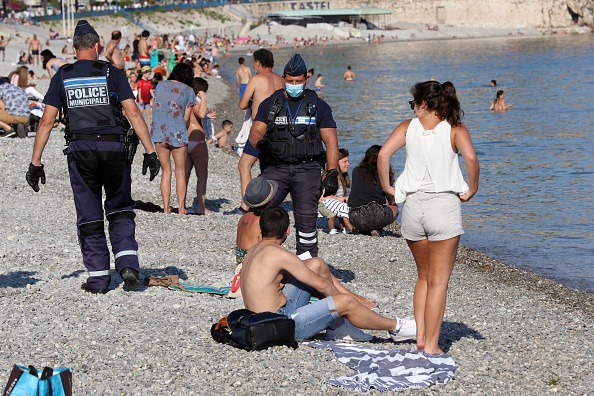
(319,84)
(349,75)
(499,105)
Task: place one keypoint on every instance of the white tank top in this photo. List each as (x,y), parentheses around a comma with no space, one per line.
(431,164)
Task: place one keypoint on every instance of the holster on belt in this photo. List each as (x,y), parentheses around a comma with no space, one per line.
(130,145)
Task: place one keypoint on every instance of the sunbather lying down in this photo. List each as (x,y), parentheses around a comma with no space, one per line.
(276,280)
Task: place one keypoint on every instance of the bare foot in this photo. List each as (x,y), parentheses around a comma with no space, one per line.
(420,342)
(167,210)
(182,211)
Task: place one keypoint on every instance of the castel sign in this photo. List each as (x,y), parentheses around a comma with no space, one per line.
(311,5)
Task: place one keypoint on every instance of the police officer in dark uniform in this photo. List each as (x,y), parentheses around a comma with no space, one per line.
(296,135)
(92,94)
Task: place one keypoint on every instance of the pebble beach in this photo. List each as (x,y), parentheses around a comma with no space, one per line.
(509,331)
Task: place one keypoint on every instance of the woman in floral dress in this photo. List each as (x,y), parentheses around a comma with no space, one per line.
(174,99)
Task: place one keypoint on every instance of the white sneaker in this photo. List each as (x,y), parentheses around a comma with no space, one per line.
(334,231)
(406,329)
(347,332)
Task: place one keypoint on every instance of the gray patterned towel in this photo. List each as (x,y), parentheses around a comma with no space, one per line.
(387,369)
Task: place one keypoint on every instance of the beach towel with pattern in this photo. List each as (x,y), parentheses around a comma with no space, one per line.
(387,369)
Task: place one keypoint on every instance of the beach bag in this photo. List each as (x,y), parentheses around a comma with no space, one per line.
(27,381)
(251,331)
(371,216)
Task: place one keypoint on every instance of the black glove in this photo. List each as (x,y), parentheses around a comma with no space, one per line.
(33,175)
(263,145)
(330,184)
(151,161)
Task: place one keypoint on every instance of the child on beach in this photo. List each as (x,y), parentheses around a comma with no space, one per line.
(222,136)
(146,92)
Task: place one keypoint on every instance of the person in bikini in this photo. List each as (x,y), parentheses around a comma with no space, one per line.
(274,279)
(197,151)
(349,75)
(498,105)
(51,63)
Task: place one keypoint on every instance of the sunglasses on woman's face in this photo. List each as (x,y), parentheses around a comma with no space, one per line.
(411,103)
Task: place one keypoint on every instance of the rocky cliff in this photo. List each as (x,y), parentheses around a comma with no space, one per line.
(467,13)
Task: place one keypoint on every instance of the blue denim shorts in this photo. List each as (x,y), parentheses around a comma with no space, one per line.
(309,319)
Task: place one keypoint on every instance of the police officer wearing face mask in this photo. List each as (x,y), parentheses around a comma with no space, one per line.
(92,94)
(296,135)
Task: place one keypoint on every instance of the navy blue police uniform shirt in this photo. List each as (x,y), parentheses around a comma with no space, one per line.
(79,76)
(324,118)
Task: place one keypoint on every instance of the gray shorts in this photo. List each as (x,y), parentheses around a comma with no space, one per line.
(435,217)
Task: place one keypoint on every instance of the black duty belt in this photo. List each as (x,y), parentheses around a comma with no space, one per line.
(98,137)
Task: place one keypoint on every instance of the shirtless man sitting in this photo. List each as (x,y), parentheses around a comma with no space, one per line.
(276,280)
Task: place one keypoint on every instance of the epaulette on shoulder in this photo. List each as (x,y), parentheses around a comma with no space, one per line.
(99,66)
(66,68)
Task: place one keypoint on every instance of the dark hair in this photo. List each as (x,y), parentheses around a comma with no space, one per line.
(226,122)
(116,35)
(46,55)
(368,165)
(157,77)
(85,41)
(499,93)
(145,33)
(311,71)
(274,222)
(241,60)
(182,73)
(345,180)
(265,57)
(494,83)
(199,84)
(440,98)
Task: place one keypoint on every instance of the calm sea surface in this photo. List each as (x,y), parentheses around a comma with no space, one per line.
(535,205)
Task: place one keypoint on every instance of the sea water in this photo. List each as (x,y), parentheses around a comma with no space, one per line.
(535,204)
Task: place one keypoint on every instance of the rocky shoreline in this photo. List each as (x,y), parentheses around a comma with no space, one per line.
(509,331)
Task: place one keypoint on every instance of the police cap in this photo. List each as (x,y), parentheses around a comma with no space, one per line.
(83,27)
(296,66)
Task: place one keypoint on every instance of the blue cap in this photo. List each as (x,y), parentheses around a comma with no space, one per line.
(83,27)
(296,66)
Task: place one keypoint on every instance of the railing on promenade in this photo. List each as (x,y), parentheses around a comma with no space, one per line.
(121,10)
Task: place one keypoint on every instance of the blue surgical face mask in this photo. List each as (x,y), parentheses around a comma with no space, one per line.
(294,91)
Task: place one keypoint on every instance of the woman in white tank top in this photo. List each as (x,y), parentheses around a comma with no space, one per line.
(431,188)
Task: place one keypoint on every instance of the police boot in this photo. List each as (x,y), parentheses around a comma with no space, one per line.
(131,278)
